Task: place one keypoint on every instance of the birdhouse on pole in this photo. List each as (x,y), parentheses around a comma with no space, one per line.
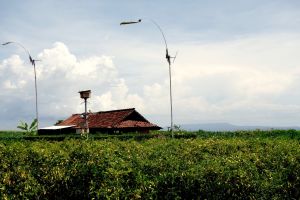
(85,95)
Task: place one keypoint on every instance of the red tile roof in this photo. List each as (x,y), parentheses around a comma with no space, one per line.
(125,118)
(133,123)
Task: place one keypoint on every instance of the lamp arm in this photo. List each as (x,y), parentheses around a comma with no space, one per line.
(20,45)
(162,33)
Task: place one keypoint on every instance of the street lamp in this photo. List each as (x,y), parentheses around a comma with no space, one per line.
(32,61)
(168,57)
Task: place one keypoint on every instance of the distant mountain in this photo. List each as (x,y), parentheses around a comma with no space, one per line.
(230,127)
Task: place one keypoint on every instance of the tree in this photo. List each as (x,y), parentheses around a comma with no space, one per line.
(177,127)
(29,130)
(58,122)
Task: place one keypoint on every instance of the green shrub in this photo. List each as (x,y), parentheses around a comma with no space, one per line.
(157,168)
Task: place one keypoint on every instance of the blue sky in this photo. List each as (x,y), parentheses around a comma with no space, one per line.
(237,60)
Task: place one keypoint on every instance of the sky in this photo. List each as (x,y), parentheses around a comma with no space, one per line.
(237,61)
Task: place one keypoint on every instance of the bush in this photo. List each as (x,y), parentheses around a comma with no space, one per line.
(208,168)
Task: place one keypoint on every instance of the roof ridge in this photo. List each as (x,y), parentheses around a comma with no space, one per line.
(116,110)
(107,111)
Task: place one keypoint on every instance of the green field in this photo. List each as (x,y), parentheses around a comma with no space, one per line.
(194,165)
(11,134)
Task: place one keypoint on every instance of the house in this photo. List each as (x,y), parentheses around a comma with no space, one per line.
(114,121)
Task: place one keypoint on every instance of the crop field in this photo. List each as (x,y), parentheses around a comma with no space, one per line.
(193,165)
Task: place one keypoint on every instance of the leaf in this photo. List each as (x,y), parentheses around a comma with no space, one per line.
(21,127)
(33,125)
(26,126)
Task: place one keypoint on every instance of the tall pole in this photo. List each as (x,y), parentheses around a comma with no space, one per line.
(32,61)
(171,104)
(36,98)
(85,115)
(85,95)
(168,57)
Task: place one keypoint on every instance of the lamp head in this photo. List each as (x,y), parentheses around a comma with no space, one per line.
(6,43)
(130,22)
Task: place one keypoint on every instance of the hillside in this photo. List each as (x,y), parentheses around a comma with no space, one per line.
(231,127)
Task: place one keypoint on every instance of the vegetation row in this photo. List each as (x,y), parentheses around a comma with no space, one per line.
(157,168)
(287,134)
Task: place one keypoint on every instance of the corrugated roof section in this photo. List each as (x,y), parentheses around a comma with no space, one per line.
(56,127)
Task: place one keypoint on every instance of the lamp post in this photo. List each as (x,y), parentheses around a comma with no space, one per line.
(32,61)
(168,57)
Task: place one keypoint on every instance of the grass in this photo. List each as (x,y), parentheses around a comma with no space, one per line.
(11,134)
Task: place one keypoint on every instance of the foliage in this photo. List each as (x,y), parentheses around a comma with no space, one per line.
(177,127)
(288,134)
(58,122)
(159,168)
(29,129)
(257,134)
(11,134)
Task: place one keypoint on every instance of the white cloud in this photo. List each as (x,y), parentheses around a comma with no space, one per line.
(250,80)
(60,76)
(245,81)
(72,74)
(14,77)
(119,97)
